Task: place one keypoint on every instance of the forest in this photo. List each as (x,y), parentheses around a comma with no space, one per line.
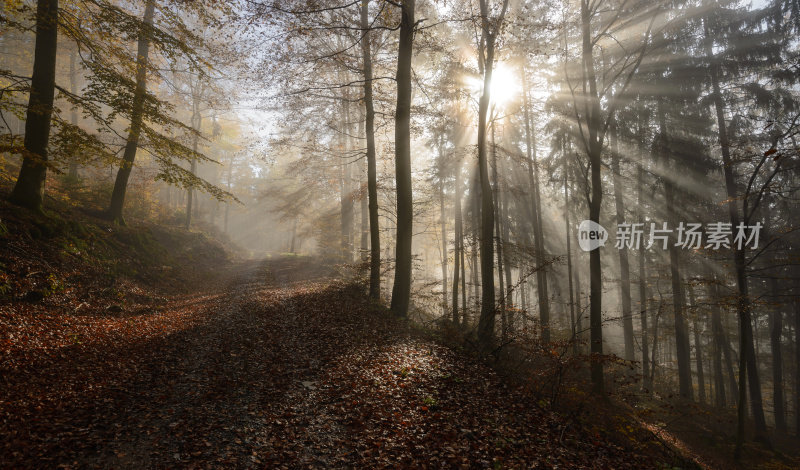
(399,234)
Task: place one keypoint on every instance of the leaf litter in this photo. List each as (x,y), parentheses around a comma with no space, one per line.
(267,370)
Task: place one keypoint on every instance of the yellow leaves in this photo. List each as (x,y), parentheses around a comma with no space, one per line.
(9,6)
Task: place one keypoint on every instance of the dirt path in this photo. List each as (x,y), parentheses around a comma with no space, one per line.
(280,368)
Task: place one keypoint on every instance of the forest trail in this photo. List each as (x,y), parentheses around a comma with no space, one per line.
(279,366)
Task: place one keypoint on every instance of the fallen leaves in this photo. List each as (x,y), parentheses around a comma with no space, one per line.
(278,374)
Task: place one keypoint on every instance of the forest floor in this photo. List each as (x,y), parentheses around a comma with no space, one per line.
(149,347)
(273,365)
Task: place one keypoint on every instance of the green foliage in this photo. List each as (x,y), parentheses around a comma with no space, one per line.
(54,285)
(5,281)
(100,33)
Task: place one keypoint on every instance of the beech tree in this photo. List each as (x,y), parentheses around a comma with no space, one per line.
(490,27)
(29,189)
(401,290)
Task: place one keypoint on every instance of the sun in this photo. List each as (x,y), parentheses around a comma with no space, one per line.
(505,85)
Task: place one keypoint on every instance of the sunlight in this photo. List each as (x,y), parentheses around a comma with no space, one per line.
(505,85)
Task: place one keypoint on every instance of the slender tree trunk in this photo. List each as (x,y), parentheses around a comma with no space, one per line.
(401,290)
(653,359)
(137,114)
(364,203)
(294,236)
(727,351)
(568,232)
(443,223)
(646,383)
(457,243)
(797,365)
(372,172)
(498,235)
(775,329)
(72,170)
(29,188)
(197,121)
(486,321)
(362,196)
(542,288)
(698,350)
(624,269)
(536,219)
(476,223)
(345,184)
(229,183)
(578,307)
(504,228)
(595,148)
(682,347)
(463,271)
(719,345)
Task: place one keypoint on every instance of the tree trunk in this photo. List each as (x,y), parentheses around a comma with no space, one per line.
(775,330)
(727,351)
(372,172)
(294,236)
(504,229)
(653,359)
(463,272)
(698,350)
(486,321)
(536,219)
(458,244)
(578,307)
(498,236)
(364,218)
(797,366)
(476,223)
(624,269)
(29,188)
(646,383)
(345,183)
(72,170)
(719,346)
(401,290)
(682,347)
(595,148)
(227,204)
(568,232)
(137,114)
(443,223)
(197,121)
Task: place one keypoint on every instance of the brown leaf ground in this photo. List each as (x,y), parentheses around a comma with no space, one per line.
(274,366)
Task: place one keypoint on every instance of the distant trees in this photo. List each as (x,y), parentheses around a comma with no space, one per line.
(594,105)
(98,31)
